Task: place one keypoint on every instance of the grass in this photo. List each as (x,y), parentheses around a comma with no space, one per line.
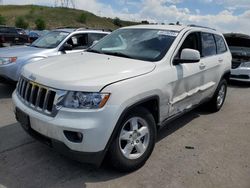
(56,17)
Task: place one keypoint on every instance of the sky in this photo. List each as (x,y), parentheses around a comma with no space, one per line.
(223,15)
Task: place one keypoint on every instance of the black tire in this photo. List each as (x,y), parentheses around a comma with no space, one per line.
(213,104)
(117,158)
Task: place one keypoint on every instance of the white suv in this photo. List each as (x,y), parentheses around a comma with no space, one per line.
(112,98)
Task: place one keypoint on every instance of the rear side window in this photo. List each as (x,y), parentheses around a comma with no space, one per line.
(220,43)
(208,44)
(7,30)
(3,30)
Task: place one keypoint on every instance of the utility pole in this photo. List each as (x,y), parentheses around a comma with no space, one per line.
(64,3)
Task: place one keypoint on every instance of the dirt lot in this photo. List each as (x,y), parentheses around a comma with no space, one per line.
(220,157)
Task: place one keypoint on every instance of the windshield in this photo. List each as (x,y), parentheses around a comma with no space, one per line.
(141,44)
(50,40)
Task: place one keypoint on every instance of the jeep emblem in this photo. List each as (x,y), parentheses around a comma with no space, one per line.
(32,77)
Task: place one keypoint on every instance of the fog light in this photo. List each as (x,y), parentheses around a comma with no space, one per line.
(73,136)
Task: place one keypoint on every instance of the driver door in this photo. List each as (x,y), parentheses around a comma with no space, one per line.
(190,78)
(78,43)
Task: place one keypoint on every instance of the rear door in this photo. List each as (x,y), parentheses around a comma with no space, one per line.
(212,56)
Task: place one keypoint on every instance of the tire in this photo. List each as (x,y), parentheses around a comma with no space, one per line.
(219,96)
(134,141)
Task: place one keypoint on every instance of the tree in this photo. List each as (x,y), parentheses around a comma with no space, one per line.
(144,22)
(2,20)
(82,18)
(40,24)
(117,22)
(20,22)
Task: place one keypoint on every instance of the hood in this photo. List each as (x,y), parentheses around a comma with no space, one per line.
(20,51)
(239,45)
(85,71)
(237,40)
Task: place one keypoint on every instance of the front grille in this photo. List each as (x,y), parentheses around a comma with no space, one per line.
(38,97)
(242,76)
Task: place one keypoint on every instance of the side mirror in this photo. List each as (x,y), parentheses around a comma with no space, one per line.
(188,56)
(67,47)
(94,42)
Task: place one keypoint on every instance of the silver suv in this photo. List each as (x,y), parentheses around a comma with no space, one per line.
(113,97)
(57,42)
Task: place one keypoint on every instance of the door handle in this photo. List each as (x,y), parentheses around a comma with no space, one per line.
(202,66)
(220,60)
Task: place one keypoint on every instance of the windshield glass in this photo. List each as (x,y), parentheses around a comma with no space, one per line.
(50,40)
(141,44)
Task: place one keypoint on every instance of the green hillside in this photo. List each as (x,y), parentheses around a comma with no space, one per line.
(57,17)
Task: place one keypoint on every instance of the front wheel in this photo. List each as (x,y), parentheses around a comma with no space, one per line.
(219,96)
(134,142)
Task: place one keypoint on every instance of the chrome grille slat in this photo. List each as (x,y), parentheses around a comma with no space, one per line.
(38,97)
(45,103)
(32,93)
(26,91)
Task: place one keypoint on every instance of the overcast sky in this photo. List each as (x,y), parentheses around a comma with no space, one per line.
(224,15)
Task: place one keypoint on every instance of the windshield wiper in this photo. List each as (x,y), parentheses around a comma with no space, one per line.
(36,46)
(119,54)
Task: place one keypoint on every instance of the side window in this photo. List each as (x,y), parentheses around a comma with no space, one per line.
(3,30)
(12,30)
(79,41)
(191,42)
(94,37)
(208,44)
(220,43)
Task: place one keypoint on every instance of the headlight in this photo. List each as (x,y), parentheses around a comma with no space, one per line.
(245,64)
(85,100)
(7,60)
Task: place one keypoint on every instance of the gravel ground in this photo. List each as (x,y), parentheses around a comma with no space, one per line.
(198,150)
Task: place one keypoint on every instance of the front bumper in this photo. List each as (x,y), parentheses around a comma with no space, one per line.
(240,74)
(95,125)
(94,158)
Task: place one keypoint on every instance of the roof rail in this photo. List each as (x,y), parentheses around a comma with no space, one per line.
(193,25)
(85,28)
(66,27)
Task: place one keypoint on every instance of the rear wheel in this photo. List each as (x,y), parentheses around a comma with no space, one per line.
(218,99)
(134,142)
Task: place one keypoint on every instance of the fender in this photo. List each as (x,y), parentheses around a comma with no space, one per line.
(124,113)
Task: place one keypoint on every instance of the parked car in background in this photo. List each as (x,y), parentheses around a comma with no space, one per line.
(112,98)
(12,36)
(239,45)
(57,42)
(35,34)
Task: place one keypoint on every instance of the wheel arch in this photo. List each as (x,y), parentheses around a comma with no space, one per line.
(226,75)
(145,103)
